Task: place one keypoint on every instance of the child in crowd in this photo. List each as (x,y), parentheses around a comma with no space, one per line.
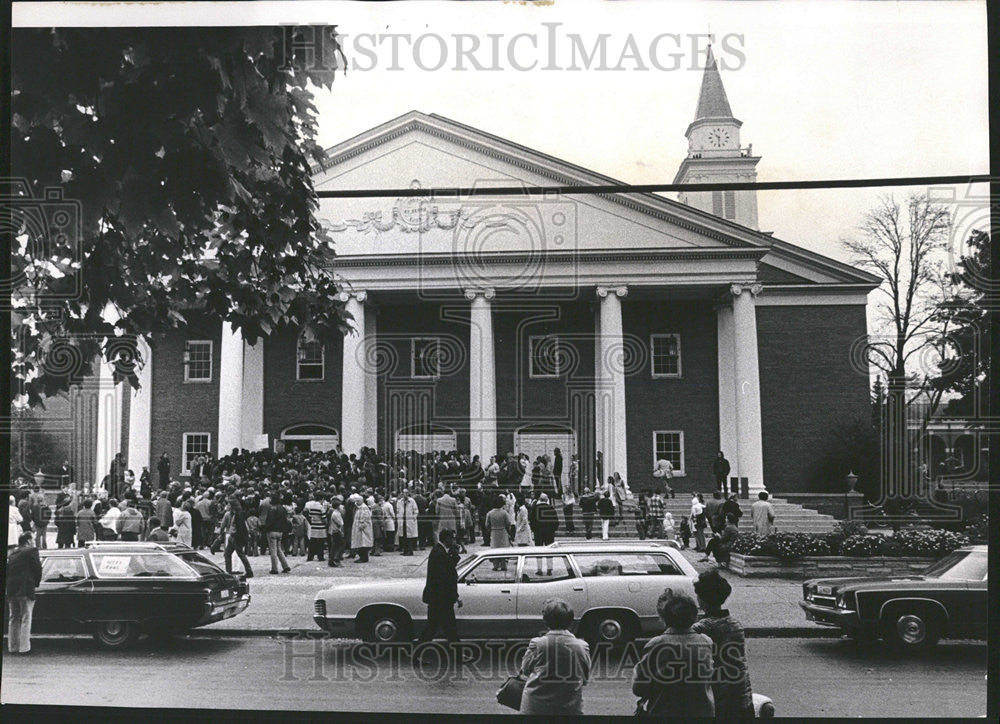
(298,533)
(640,517)
(253,534)
(685,532)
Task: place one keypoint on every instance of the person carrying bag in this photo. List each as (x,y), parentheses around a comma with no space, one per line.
(509,695)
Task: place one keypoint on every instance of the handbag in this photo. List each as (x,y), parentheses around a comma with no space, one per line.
(509,695)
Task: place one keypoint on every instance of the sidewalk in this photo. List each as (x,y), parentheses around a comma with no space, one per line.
(283,603)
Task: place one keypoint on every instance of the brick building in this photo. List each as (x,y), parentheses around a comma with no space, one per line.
(623,324)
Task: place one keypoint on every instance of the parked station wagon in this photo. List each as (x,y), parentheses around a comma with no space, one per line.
(613,590)
(948,600)
(118,590)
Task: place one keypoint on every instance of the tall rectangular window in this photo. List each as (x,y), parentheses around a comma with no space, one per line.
(665,352)
(669,445)
(425,357)
(198,361)
(717,203)
(729,201)
(310,357)
(195,444)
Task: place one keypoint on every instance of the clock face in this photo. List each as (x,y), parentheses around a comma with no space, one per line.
(718,137)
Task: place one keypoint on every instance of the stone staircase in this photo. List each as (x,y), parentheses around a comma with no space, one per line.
(788,517)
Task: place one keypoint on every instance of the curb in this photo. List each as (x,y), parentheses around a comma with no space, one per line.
(776,632)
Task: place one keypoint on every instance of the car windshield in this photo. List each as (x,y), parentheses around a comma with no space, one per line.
(959,566)
(198,562)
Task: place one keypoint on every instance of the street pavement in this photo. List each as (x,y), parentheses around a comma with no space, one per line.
(804,677)
(285,601)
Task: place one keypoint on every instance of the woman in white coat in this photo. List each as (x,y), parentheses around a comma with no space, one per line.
(527,484)
(522,531)
(361,532)
(406,522)
(182,522)
(14,520)
(669,530)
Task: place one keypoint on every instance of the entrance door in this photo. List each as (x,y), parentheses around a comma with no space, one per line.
(534,444)
(426,443)
(315,438)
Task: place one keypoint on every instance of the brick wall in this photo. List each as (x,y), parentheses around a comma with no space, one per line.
(402,398)
(558,401)
(689,403)
(288,401)
(826,566)
(180,406)
(808,386)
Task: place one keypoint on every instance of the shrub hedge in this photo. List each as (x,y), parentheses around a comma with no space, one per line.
(850,539)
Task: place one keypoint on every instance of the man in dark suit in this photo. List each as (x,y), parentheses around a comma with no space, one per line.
(163,468)
(24,573)
(441,590)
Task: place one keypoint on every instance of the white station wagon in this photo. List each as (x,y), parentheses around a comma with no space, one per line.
(613,589)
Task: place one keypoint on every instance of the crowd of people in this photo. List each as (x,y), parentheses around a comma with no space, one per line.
(323,505)
(327,505)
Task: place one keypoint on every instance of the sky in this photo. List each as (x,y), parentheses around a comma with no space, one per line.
(825,90)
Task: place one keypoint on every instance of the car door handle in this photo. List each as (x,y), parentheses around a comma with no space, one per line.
(504,590)
(577,588)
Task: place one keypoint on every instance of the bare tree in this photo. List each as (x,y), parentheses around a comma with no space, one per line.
(904,245)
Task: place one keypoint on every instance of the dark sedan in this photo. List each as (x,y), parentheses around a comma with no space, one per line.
(947,600)
(117,591)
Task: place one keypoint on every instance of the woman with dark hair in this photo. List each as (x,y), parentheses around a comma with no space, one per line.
(674,676)
(556,666)
(733,696)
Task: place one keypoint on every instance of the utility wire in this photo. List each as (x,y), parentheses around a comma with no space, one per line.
(458,191)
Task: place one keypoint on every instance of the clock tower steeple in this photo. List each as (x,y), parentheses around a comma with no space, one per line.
(715,155)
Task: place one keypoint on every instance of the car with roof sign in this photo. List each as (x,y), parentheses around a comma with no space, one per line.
(120,590)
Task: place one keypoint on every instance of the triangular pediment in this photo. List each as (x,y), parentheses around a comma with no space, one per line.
(436,152)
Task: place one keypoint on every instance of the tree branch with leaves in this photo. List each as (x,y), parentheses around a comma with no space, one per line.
(189,152)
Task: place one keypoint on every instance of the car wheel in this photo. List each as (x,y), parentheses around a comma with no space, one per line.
(385,627)
(115,634)
(609,629)
(911,630)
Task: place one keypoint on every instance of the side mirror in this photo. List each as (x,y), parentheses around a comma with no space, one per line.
(470,580)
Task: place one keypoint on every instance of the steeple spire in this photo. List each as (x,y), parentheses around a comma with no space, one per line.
(712,103)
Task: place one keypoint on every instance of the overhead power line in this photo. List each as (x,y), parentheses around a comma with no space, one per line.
(459,192)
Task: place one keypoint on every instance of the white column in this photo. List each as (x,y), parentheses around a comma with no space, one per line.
(109,408)
(352,396)
(748,430)
(109,419)
(371,379)
(727,386)
(611,383)
(252,421)
(140,415)
(230,390)
(482,376)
